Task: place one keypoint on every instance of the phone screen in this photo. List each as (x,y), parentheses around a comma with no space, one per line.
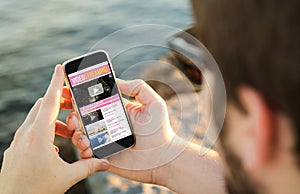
(99,104)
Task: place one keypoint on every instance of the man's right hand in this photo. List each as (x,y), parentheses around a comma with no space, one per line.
(159,156)
(148,114)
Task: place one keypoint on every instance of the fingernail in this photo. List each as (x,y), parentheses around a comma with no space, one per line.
(120,80)
(125,101)
(79,142)
(74,117)
(56,69)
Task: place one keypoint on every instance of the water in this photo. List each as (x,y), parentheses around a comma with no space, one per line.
(35,35)
(42,33)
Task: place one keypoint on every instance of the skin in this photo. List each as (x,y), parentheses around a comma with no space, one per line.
(47,168)
(31,163)
(262,141)
(175,174)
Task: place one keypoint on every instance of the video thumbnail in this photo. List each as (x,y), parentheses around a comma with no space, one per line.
(94,90)
(92,117)
(98,133)
(100,140)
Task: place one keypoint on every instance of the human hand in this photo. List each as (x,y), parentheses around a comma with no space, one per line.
(159,155)
(31,164)
(145,161)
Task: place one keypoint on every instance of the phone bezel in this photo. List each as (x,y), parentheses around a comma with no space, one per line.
(88,60)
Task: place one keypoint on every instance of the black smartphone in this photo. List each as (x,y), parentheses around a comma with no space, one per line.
(98,103)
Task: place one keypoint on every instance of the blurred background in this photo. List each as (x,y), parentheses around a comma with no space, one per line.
(37,34)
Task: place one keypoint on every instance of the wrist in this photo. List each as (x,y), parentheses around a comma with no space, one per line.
(160,175)
(163,174)
(4,186)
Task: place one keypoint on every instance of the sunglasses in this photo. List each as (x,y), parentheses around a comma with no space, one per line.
(184,54)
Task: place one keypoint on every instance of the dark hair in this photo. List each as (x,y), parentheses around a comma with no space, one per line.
(256,43)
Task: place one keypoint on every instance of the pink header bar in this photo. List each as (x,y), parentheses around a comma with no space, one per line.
(90,73)
(100,104)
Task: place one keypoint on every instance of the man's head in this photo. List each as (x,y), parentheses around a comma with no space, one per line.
(257,47)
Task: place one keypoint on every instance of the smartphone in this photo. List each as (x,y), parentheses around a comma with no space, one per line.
(98,103)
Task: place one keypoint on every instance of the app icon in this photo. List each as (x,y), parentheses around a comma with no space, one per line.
(95,90)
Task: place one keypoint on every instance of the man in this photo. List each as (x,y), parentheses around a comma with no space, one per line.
(256,44)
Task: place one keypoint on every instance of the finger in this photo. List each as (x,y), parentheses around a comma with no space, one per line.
(139,89)
(33,112)
(137,175)
(88,153)
(80,141)
(28,121)
(132,108)
(61,129)
(125,101)
(72,121)
(66,93)
(66,104)
(86,167)
(49,109)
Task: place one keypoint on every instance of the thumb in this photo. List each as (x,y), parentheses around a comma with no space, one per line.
(86,167)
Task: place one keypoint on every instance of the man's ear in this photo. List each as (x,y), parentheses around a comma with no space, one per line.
(258,137)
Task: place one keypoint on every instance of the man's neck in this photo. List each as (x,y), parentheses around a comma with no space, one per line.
(283,178)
